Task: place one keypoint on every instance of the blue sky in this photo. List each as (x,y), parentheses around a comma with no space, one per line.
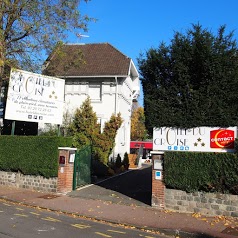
(134,26)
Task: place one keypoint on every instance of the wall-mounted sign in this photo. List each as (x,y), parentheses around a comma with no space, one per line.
(158,175)
(206,139)
(157,164)
(71,157)
(34,97)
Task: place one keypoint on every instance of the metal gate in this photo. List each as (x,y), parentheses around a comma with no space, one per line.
(82,167)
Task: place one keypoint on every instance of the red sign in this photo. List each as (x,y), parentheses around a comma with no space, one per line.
(143,144)
(222,139)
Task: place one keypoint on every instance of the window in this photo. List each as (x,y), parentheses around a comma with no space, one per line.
(95,92)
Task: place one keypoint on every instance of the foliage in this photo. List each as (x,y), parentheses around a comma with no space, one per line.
(191,82)
(86,131)
(28,157)
(50,130)
(53,130)
(61,59)
(84,125)
(65,128)
(29,29)
(209,172)
(106,140)
(118,161)
(101,170)
(138,130)
(125,159)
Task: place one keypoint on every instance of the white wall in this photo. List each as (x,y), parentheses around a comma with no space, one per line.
(116,96)
(114,99)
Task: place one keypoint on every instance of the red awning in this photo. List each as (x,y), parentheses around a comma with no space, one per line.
(144,144)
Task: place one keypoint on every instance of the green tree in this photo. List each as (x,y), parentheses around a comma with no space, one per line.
(138,130)
(106,140)
(125,159)
(193,81)
(118,161)
(30,29)
(84,126)
(86,131)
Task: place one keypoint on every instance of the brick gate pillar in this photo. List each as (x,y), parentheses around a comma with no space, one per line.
(65,169)
(158,187)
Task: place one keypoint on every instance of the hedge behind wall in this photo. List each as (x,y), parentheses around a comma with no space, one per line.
(199,171)
(32,155)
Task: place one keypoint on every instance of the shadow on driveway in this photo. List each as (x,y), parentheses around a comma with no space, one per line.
(131,188)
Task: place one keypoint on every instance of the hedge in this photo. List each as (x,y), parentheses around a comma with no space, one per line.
(31,155)
(199,171)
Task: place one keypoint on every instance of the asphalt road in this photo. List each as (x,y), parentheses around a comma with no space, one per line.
(131,188)
(26,222)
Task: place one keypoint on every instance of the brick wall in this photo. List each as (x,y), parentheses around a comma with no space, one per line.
(19,180)
(158,188)
(65,172)
(204,203)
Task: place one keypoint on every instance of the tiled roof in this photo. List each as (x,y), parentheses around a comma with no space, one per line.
(97,60)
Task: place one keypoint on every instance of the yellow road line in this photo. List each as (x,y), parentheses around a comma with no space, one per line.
(34,213)
(102,234)
(21,209)
(21,215)
(51,219)
(120,232)
(80,226)
(7,204)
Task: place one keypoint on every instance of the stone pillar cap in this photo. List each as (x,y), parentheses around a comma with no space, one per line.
(67,148)
(156,152)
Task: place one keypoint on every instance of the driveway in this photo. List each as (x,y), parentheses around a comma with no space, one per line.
(132,188)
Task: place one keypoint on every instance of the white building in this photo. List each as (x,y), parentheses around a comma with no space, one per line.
(105,74)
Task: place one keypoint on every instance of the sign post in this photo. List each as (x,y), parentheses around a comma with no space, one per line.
(13,128)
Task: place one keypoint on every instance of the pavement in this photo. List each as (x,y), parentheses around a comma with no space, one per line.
(108,207)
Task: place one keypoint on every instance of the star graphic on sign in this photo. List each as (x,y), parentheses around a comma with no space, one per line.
(195,144)
(53,95)
(199,139)
(203,144)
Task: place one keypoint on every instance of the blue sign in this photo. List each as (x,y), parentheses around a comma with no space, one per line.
(158,175)
(178,148)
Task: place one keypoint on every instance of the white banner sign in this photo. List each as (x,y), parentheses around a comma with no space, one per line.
(34,97)
(205,139)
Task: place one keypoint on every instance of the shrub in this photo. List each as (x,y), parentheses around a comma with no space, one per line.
(118,161)
(125,159)
(99,169)
(199,171)
(111,172)
(31,155)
